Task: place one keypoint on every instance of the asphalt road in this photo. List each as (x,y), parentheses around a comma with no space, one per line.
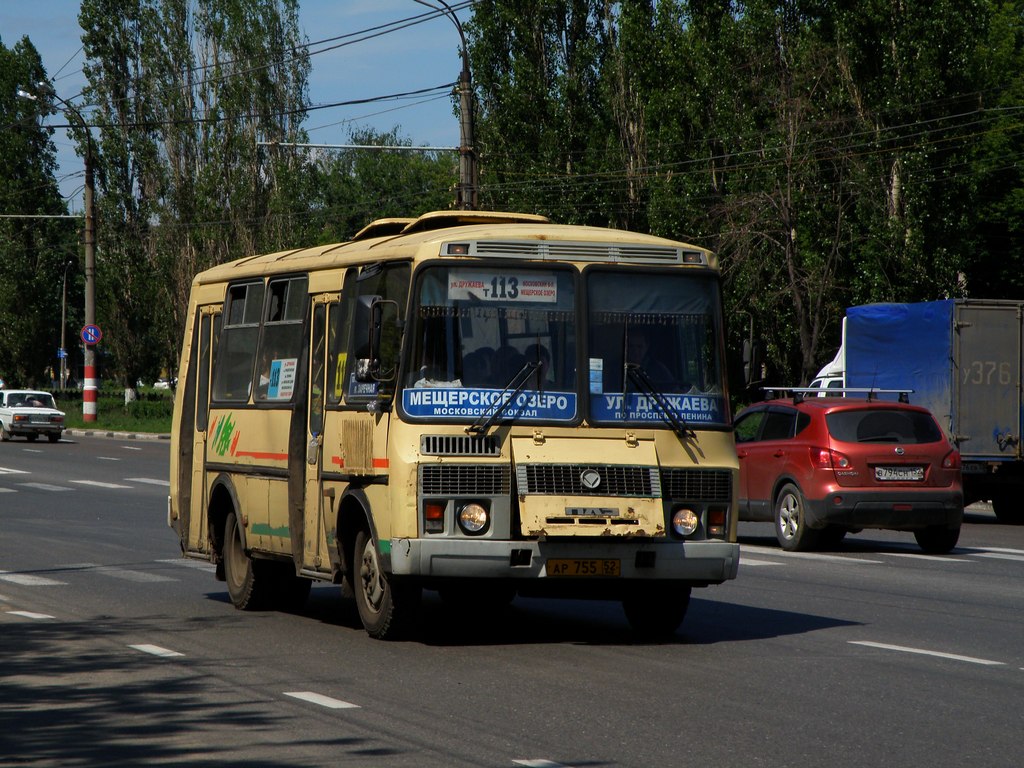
(116,651)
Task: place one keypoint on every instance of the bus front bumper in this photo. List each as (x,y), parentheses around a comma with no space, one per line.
(697,562)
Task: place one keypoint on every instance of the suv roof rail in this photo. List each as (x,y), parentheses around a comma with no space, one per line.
(872,392)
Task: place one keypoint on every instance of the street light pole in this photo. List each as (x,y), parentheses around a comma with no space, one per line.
(90,386)
(466,198)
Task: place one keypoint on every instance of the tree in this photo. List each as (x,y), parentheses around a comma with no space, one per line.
(35,251)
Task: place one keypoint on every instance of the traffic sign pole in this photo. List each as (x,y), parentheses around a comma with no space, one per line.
(91,335)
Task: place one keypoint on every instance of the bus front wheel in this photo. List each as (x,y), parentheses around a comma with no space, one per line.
(386,605)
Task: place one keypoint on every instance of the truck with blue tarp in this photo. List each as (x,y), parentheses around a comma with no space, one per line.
(962,360)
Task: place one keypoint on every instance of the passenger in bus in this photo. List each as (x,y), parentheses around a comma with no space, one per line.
(476,367)
(508,361)
(538,353)
(640,351)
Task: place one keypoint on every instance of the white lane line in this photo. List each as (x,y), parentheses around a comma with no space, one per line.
(28,580)
(119,572)
(921,556)
(1000,556)
(1002,549)
(156,650)
(925,652)
(748,561)
(540,764)
(806,555)
(44,487)
(31,615)
(7,490)
(10,471)
(148,481)
(323,701)
(131,447)
(108,458)
(98,484)
(201,565)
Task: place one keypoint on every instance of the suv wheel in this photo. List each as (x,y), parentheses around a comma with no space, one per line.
(790,522)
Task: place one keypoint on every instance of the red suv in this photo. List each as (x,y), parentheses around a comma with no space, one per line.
(822,467)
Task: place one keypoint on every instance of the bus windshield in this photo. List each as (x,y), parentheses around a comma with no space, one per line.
(654,346)
(487,339)
(476,329)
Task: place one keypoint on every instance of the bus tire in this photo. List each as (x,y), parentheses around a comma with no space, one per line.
(387,606)
(248,585)
(655,610)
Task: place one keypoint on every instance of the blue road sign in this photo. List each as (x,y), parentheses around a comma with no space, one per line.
(91,334)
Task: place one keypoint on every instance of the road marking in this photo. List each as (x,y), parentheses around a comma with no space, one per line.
(323,701)
(31,450)
(806,555)
(31,615)
(98,484)
(131,447)
(108,458)
(748,561)
(540,764)
(156,650)
(148,481)
(119,572)
(925,652)
(9,471)
(7,490)
(1000,556)
(1003,549)
(922,556)
(201,565)
(44,487)
(28,580)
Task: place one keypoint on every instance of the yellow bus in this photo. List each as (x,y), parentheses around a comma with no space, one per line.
(477,403)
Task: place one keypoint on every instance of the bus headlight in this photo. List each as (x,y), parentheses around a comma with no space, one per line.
(473,518)
(684,521)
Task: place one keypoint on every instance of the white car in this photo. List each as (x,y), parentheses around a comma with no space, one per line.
(30,413)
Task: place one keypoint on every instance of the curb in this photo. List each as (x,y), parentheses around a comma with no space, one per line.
(118,435)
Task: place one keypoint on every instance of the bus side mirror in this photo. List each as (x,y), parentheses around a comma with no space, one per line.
(753,355)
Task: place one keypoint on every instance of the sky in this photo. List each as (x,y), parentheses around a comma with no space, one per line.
(417,57)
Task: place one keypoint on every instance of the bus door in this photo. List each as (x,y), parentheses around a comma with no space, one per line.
(320,499)
(209,329)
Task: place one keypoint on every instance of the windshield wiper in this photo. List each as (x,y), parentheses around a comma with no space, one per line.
(519,381)
(644,383)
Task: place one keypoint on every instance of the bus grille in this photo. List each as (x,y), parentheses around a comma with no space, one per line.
(567,480)
(697,484)
(464,480)
(459,445)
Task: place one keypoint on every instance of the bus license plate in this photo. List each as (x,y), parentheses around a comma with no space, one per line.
(583,567)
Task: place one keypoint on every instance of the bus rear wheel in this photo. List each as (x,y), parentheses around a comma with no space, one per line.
(387,606)
(248,584)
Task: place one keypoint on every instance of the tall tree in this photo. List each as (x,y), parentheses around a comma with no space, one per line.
(38,252)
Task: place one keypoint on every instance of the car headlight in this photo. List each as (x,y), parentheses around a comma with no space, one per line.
(473,518)
(685,521)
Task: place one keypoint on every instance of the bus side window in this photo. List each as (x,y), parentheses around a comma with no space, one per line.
(339,327)
(391,283)
(282,340)
(236,352)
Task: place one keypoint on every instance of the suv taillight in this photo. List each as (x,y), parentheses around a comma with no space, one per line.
(824,458)
(951,460)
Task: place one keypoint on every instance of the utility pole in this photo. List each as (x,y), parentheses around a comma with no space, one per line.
(466,197)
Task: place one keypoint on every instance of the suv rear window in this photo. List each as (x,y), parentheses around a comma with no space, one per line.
(883,426)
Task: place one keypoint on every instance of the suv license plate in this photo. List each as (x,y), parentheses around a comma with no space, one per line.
(584,567)
(899,473)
